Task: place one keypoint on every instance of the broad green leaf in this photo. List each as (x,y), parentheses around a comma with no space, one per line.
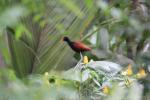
(72,74)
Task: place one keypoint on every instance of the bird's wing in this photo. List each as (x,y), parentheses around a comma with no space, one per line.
(80,45)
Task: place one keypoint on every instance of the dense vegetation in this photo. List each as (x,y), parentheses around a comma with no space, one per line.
(35,64)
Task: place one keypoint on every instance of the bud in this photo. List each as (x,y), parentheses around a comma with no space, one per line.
(85,60)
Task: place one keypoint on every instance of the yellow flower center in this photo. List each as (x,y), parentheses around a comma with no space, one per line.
(129,70)
(106,90)
(85,60)
(141,73)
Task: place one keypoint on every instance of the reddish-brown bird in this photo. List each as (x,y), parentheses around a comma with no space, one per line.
(77,46)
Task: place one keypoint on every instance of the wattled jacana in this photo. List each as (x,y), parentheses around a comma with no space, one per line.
(77,46)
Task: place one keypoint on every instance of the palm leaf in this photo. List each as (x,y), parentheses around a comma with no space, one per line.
(44,51)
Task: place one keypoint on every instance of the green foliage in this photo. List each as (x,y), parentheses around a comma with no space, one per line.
(10,16)
(87,83)
(34,42)
(116,30)
(71,6)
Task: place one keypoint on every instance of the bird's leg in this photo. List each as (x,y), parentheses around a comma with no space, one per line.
(81,56)
(80,61)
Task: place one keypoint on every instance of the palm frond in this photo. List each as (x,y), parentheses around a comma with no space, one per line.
(44,50)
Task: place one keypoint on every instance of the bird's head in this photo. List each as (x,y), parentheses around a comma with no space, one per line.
(66,39)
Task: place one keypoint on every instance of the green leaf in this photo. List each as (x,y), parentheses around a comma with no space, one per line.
(72,74)
(20,29)
(11,16)
(89,3)
(70,4)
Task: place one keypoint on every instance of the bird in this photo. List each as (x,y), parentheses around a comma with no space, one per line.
(77,46)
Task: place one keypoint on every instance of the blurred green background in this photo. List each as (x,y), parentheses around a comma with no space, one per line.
(31,34)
